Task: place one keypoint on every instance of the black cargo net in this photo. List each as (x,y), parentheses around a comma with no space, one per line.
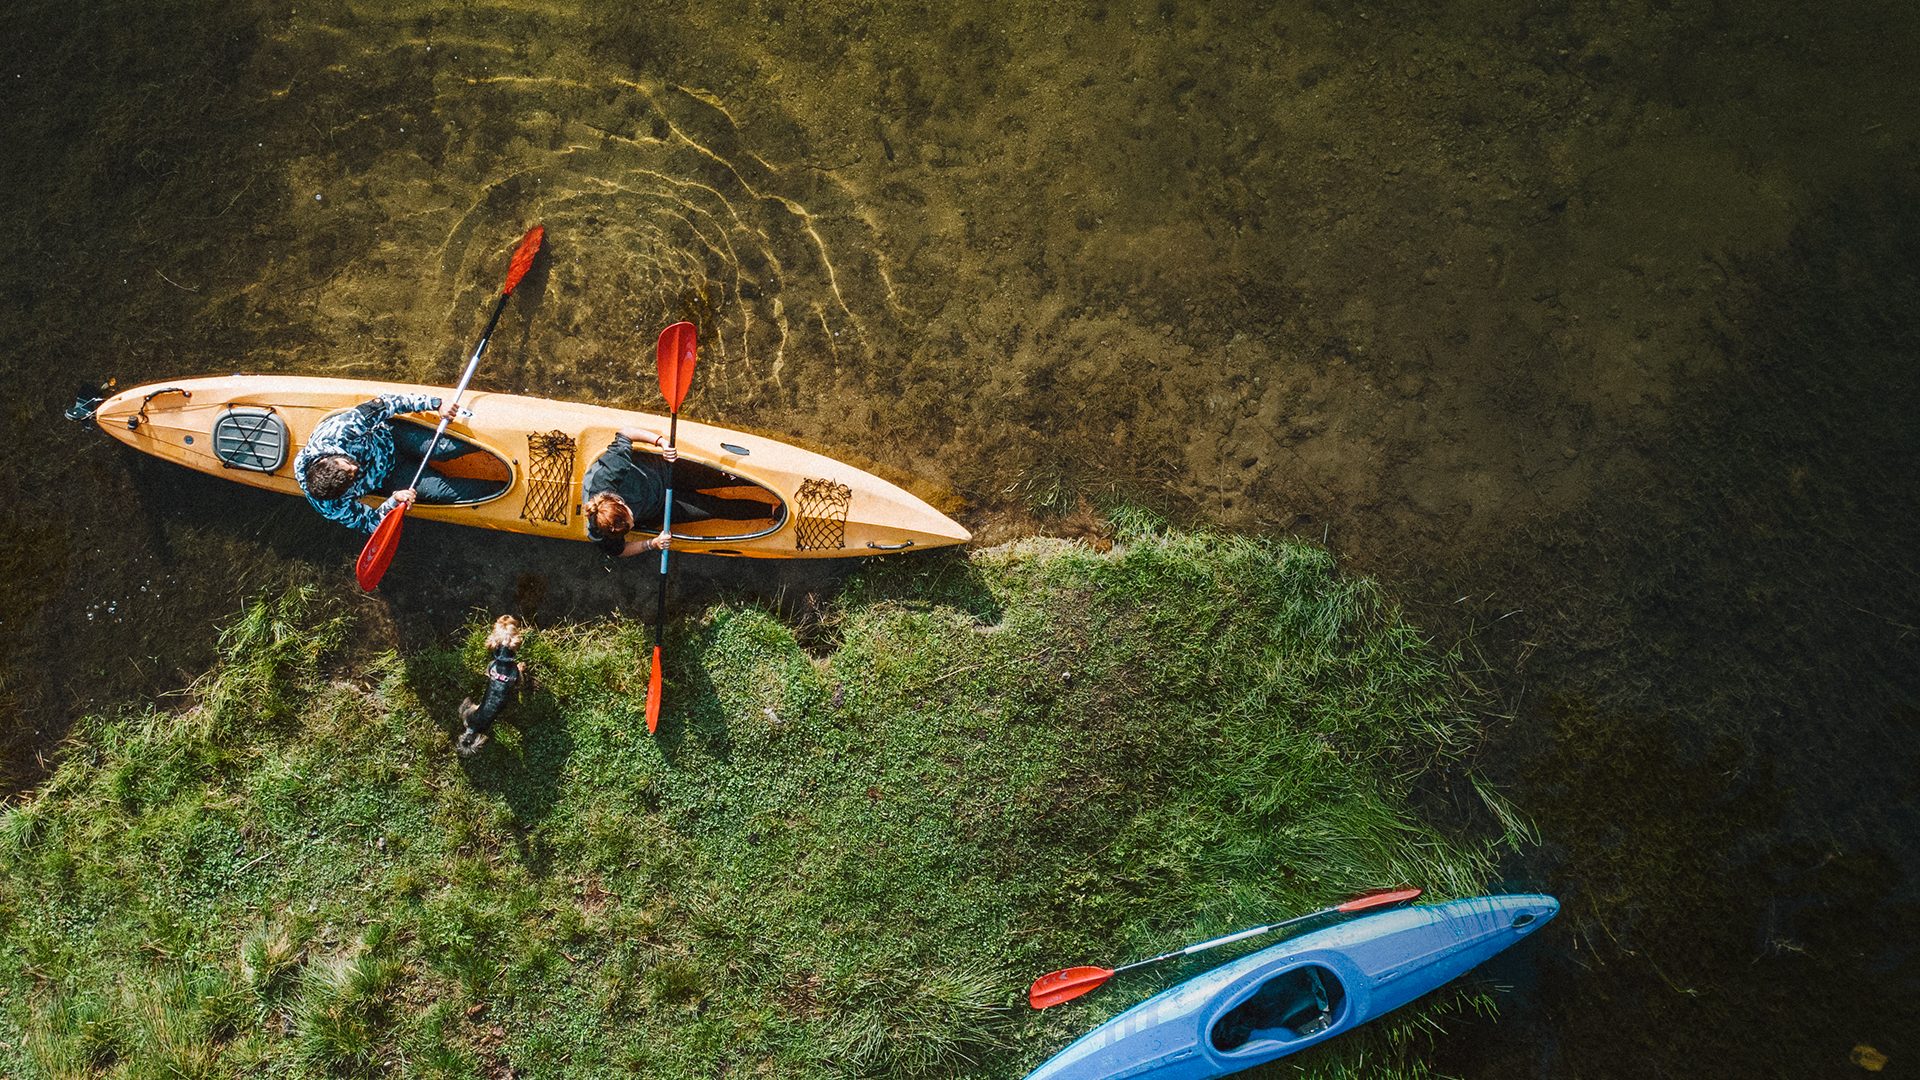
(822,523)
(549,478)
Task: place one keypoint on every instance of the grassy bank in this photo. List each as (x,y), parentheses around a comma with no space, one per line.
(852,845)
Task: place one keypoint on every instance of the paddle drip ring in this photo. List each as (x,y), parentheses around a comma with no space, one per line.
(822,508)
(549,478)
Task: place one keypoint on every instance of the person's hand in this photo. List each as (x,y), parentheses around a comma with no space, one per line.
(405,496)
(451,411)
(659,543)
(670,452)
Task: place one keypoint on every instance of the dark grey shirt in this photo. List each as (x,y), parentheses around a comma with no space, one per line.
(640,483)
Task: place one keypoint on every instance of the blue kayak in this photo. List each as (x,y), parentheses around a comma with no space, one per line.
(1298,993)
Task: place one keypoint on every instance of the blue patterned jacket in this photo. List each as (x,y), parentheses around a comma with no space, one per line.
(363,434)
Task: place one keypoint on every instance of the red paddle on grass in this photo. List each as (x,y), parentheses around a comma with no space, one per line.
(385,541)
(1062,986)
(675,356)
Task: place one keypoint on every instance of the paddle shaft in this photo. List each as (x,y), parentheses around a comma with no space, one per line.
(378,554)
(1366,902)
(666,529)
(1057,987)
(460,391)
(1229,939)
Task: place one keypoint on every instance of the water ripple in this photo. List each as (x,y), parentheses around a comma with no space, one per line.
(660,204)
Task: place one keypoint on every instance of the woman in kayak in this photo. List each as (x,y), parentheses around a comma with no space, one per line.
(353,453)
(617,483)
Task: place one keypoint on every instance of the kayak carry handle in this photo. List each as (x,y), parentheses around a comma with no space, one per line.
(134,421)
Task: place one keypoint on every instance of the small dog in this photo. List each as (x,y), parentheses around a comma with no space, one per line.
(504,673)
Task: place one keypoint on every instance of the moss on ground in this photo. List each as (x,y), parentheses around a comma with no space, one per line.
(852,845)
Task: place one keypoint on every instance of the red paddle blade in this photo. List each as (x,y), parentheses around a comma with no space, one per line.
(1059,986)
(523,257)
(1383,898)
(675,355)
(378,554)
(653,694)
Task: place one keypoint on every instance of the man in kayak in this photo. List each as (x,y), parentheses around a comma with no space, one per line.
(354,453)
(617,483)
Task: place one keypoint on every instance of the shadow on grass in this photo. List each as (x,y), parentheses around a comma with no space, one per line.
(945,578)
(526,775)
(691,718)
(524,760)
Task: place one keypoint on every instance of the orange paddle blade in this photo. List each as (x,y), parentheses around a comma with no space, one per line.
(674,354)
(1059,986)
(378,554)
(523,257)
(653,693)
(1383,898)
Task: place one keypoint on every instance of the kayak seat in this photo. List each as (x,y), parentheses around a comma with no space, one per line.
(1310,1014)
(473,465)
(1292,1005)
(250,437)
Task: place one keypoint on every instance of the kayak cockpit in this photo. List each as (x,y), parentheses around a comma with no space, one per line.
(1295,1004)
(742,509)
(475,473)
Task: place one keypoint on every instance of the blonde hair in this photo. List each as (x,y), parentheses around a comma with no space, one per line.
(506,633)
(614,507)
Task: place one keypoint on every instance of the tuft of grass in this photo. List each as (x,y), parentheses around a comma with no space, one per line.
(676,984)
(841,857)
(180,1022)
(1050,487)
(915,1022)
(343,1009)
(73,1033)
(268,962)
(269,658)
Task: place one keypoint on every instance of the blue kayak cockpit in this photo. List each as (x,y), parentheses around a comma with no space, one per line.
(1294,1004)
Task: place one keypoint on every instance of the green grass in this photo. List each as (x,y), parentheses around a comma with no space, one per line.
(847,853)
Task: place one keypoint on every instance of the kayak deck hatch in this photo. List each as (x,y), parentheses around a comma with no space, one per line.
(1295,1004)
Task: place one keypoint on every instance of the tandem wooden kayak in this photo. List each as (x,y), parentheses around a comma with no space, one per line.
(536,452)
(1299,993)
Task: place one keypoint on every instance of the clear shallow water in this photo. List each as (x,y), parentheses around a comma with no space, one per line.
(1591,328)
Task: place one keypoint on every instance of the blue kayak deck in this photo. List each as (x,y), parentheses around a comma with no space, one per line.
(1300,992)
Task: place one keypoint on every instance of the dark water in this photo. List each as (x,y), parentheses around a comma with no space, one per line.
(1591,327)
